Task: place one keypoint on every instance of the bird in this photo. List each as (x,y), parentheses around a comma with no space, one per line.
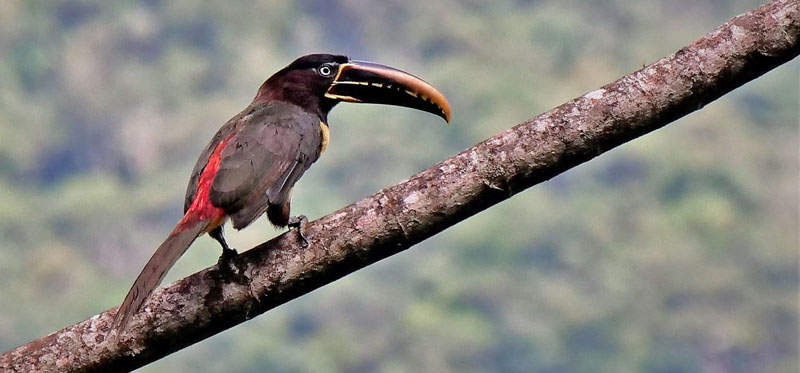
(252,163)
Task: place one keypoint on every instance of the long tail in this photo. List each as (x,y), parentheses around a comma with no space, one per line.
(156,268)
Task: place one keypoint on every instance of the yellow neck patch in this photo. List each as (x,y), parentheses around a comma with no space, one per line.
(323,128)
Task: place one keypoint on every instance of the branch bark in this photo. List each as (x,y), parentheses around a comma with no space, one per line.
(398,217)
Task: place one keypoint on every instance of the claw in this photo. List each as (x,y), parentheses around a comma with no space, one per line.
(299,223)
(224,261)
(227,255)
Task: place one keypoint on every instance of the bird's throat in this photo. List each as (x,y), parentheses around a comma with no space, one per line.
(326,133)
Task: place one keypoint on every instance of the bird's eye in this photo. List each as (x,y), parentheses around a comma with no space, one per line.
(325,70)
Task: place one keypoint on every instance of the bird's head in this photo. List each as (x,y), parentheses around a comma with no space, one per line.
(317,82)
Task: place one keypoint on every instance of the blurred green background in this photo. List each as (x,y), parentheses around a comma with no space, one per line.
(677,252)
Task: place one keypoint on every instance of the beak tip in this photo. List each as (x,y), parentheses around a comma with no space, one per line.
(446,111)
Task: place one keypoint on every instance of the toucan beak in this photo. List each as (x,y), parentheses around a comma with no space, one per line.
(367,82)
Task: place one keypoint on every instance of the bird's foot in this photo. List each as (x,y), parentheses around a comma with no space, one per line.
(299,223)
(225,259)
(228,254)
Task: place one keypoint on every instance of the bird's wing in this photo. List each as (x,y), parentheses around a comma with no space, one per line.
(228,129)
(263,160)
(191,189)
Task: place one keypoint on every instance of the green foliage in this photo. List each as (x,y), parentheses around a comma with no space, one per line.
(674,253)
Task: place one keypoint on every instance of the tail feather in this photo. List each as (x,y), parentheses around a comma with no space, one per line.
(156,268)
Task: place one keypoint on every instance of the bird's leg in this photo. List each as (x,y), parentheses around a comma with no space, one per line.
(227,252)
(229,269)
(299,222)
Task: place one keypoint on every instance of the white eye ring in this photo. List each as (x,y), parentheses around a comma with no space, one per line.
(325,70)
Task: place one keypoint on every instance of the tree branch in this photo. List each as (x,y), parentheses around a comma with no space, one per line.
(398,217)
